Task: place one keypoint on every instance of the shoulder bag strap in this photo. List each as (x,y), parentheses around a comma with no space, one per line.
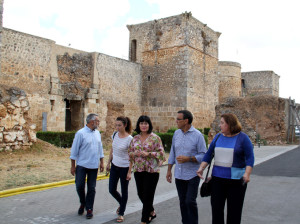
(114,135)
(213,154)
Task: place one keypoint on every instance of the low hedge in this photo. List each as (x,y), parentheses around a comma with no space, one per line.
(65,139)
(59,139)
(206,130)
(166,139)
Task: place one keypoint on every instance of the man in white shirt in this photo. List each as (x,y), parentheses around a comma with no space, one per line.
(87,151)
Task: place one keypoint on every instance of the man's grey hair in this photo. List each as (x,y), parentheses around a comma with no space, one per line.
(91,117)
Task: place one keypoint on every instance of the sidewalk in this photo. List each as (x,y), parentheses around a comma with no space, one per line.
(265,153)
(59,205)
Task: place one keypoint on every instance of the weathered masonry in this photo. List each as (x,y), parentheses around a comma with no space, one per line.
(173,64)
(179,57)
(68,84)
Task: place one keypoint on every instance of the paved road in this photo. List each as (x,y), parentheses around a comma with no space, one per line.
(272,197)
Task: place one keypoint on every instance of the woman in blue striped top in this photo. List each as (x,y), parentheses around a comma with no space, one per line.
(233,163)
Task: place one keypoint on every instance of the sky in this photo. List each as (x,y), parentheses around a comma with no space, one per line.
(259,34)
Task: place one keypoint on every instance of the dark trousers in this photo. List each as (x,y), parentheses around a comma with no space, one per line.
(146,185)
(81,174)
(234,192)
(187,193)
(117,173)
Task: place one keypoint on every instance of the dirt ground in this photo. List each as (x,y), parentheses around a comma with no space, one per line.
(42,163)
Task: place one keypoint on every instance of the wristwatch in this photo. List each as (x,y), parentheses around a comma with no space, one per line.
(191,159)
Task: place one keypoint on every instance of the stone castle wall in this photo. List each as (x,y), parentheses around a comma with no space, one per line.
(25,64)
(202,87)
(25,61)
(179,57)
(260,83)
(119,87)
(229,80)
(202,92)
(50,74)
(173,66)
(72,74)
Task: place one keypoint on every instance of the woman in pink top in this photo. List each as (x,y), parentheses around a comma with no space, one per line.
(146,154)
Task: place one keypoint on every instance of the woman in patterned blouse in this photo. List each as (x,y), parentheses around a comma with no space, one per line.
(146,154)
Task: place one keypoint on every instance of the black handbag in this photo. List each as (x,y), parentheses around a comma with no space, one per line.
(205,190)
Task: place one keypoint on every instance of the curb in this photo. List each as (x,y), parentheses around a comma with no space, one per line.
(41,187)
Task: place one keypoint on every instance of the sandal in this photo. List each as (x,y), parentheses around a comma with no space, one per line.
(152,216)
(120,219)
(118,210)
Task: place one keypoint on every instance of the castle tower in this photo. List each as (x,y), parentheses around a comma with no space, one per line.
(229,80)
(260,83)
(179,57)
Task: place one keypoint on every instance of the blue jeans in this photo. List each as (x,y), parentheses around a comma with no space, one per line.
(187,193)
(91,174)
(117,173)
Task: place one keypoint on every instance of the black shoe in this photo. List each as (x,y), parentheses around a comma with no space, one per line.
(81,210)
(89,214)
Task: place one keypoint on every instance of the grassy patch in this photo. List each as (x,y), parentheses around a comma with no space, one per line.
(41,163)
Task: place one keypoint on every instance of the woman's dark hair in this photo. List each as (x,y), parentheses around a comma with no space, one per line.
(143,118)
(126,122)
(186,115)
(233,122)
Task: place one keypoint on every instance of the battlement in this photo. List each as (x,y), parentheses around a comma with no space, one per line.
(175,31)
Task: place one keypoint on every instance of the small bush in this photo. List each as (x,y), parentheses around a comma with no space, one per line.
(200,129)
(206,130)
(134,133)
(264,142)
(172,130)
(166,139)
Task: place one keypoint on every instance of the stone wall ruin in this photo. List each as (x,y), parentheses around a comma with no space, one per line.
(17,131)
(263,115)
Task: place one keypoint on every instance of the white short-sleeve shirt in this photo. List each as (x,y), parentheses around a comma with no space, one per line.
(120,150)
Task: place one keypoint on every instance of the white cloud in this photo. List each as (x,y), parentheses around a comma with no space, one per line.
(261,35)
(116,42)
(66,22)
